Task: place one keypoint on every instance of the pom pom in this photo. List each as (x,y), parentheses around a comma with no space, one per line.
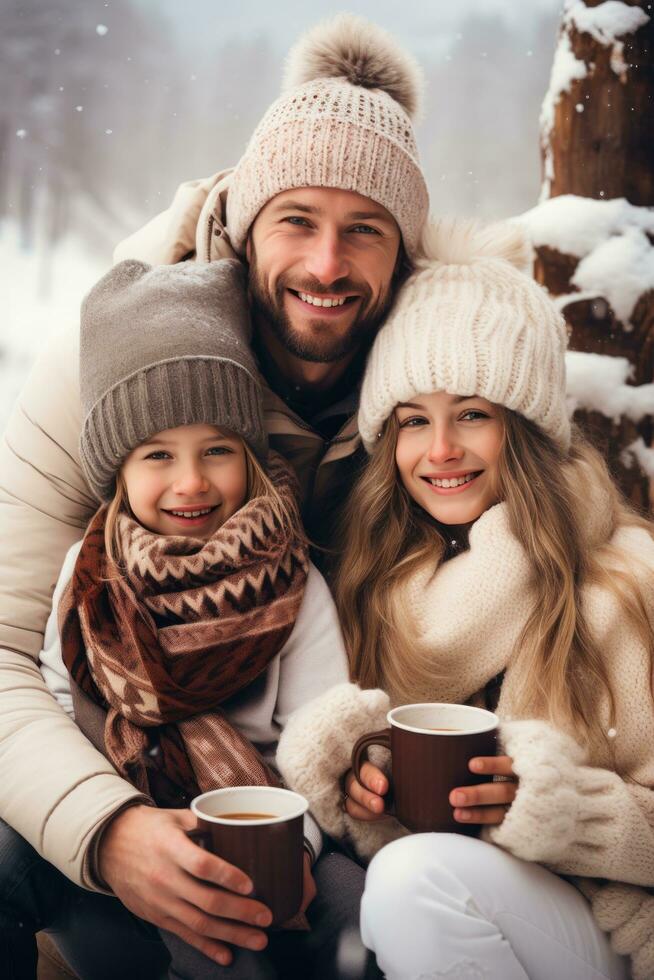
(352,48)
(463,241)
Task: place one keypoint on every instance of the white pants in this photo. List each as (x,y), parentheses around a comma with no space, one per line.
(444,905)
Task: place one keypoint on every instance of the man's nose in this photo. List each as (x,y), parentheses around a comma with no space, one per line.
(326,259)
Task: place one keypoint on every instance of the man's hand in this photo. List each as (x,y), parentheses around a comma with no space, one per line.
(486,803)
(159,874)
(365,799)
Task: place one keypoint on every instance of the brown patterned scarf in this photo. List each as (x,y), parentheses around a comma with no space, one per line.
(187,624)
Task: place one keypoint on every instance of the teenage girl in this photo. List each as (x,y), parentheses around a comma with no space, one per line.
(490,560)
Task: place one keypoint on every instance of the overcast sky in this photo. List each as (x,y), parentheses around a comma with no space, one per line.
(415,22)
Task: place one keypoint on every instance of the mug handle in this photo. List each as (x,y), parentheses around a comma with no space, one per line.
(200,837)
(361,746)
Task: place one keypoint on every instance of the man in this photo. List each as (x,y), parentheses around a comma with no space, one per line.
(326,206)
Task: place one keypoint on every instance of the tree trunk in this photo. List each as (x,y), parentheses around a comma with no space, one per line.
(598,142)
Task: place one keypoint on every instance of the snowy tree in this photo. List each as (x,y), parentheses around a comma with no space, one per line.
(74,74)
(594,228)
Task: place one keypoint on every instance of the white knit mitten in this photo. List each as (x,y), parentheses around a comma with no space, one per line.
(569,815)
(314,753)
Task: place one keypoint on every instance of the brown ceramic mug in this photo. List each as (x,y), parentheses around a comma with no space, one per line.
(431,746)
(259,829)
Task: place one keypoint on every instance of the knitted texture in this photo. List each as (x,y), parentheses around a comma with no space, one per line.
(570,815)
(161,347)
(187,626)
(314,753)
(339,125)
(627,913)
(470,322)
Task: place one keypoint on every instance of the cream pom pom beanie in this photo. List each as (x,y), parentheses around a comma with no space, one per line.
(343,121)
(470,321)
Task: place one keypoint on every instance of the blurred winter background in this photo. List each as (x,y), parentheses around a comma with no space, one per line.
(107,106)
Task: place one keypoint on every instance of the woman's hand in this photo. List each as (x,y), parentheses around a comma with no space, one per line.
(486,803)
(364,800)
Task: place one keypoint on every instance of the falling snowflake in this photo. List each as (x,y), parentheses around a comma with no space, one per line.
(108,132)
(21,133)
(580,107)
(101,29)
(79,108)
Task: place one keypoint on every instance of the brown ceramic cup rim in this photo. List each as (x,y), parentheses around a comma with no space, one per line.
(487,720)
(294,805)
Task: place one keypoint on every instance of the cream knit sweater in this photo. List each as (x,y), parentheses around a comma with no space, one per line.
(573,811)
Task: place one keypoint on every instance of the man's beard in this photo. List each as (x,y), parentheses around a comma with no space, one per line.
(317,344)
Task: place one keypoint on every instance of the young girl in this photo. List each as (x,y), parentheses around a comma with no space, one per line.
(491,561)
(191,621)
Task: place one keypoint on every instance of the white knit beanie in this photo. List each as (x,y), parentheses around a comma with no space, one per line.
(469,321)
(343,121)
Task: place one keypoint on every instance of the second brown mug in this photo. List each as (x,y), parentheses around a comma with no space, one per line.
(431,746)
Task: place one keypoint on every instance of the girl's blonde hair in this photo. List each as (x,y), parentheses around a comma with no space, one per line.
(390,537)
(258,484)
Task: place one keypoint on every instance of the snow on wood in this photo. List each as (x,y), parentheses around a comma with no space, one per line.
(609,237)
(618,65)
(565,69)
(638,452)
(576,225)
(598,383)
(621,270)
(607,22)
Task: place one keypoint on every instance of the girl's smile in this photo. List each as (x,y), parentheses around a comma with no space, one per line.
(447,452)
(194,517)
(449,483)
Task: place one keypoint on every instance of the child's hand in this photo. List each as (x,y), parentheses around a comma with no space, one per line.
(364,802)
(486,803)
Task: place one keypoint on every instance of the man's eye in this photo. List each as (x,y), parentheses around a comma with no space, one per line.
(295,219)
(365,230)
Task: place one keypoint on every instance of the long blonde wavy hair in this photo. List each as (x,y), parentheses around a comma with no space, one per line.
(390,537)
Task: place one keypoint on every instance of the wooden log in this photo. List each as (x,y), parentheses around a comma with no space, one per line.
(597,140)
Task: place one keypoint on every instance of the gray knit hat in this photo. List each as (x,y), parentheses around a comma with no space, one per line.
(344,120)
(160,347)
(470,321)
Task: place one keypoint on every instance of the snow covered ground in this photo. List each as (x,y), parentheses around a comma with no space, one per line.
(28,318)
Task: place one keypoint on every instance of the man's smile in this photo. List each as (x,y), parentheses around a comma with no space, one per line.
(333,303)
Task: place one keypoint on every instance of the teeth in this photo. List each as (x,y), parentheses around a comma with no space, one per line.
(454,482)
(191,513)
(317,301)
